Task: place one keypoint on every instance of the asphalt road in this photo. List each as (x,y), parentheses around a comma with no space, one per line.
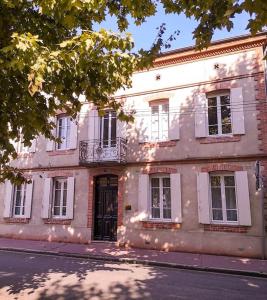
(28,276)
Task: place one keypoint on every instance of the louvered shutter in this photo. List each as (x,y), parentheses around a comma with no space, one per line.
(237,111)
(143,194)
(46,198)
(176,205)
(201,115)
(203,198)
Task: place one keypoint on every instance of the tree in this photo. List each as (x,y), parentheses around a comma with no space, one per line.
(50,54)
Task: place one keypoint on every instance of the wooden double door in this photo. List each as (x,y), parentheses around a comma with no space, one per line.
(106,208)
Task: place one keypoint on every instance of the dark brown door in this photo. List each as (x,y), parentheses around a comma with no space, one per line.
(106,208)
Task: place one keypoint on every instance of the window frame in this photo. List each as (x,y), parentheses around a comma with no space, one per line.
(224,210)
(160,177)
(65,141)
(14,198)
(159,104)
(62,180)
(111,115)
(218,96)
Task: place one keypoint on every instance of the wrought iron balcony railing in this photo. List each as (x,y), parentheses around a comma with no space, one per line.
(103,151)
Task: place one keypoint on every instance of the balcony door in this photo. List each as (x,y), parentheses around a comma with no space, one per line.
(108,130)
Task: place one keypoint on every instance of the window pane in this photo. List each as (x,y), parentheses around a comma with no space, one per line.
(232,215)
(215,181)
(17,211)
(166,203)
(217,215)
(56,211)
(113,129)
(155,123)
(164,126)
(226,114)
(229,180)
(64,211)
(155,182)
(57,198)
(166,182)
(105,129)
(212,116)
(216,197)
(155,203)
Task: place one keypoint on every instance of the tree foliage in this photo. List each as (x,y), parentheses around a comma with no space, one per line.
(50,54)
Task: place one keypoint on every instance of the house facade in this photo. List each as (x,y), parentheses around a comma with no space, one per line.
(181,177)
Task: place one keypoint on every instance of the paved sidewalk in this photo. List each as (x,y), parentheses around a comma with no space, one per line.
(109,251)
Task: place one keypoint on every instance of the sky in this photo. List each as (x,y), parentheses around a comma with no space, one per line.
(145,34)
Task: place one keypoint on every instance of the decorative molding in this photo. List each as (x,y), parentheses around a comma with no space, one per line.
(221,167)
(13,220)
(158,144)
(220,139)
(160,225)
(226,228)
(155,170)
(57,221)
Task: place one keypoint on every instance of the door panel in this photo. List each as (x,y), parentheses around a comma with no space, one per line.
(106,208)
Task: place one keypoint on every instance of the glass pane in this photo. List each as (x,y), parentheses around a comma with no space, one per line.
(57,198)
(231,215)
(229,180)
(154,110)
(226,114)
(155,182)
(64,210)
(64,197)
(165,108)
(164,126)
(166,213)
(17,211)
(217,214)
(230,197)
(216,197)
(215,181)
(166,203)
(166,182)
(212,116)
(105,130)
(155,213)
(155,202)
(67,133)
(212,113)
(225,100)
(56,211)
(213,129)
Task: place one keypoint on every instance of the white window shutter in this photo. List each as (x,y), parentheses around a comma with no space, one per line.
(243,203)
(201,115)
(46,198)
(32,148)
(50,145)
(28,200)
(93,125)
(73,133)
(174,115)
(176,204)
(203,198)
(70,198)
(8,199)
(143,194)
(237,111)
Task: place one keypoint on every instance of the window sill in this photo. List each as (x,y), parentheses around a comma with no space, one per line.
(220,139)
(61,152)
(226,228)
(14,220)
(158,144)
(160,225)
(57,221)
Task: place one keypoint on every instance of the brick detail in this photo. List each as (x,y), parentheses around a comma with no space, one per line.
(59,173)
(60,152)
(91,194)
(57,221)
(17,220)
(155,170)
(221,167)
(221,139)
(224,85)
(147,145)
(226,228)
(160,225)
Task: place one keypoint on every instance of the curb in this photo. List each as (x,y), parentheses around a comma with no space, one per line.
(140,262)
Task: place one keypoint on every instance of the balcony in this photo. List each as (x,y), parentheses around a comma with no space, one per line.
(94,152)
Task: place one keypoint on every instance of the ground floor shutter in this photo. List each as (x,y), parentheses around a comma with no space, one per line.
(242,194)
(70,198)
(176,204)
(143,194)
(28,201)
(46,198)
(8,199)
(73,133)
(203,198)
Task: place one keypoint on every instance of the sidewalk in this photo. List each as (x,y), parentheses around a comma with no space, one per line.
(109,251)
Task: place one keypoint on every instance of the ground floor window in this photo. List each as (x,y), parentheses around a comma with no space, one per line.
(59,203)
(223,198)
(160,197)
(19,197)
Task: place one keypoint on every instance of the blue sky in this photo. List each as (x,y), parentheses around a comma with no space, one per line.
(145,34)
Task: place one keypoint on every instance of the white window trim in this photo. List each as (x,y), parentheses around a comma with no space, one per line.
(219,116)
(224,221)
(66,140)
(161,219)
(60,216)
(160,121)
(14,191)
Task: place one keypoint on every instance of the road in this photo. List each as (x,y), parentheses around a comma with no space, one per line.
(30,276)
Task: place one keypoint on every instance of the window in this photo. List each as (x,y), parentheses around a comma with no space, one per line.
(223,198)
(59,204)
(19,198)
(108,129)
(219,115)
(160,197)
(160,121)
(63,132)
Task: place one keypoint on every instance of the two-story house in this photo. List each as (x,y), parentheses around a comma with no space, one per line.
(180,177)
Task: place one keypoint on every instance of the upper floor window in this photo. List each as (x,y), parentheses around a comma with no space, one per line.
(19,198)
(160,197)
(223,198)
(63,132)
(219,114)
(108,129)
(159,121)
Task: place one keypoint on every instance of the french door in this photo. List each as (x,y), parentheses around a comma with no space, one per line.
(108,130)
